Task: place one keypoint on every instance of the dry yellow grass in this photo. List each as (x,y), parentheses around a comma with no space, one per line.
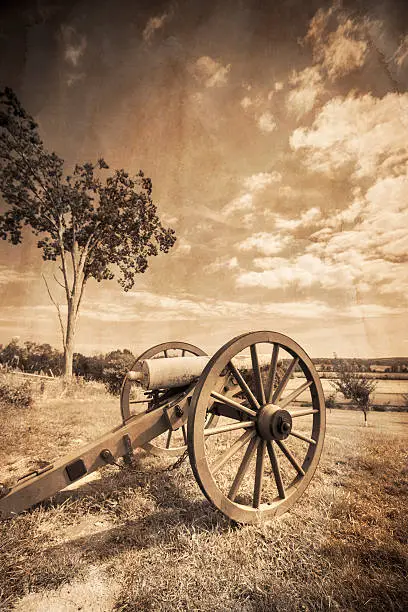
(156,544)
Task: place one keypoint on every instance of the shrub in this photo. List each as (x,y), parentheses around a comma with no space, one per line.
(331,401)
(353,384)
(15,393)
(118,363)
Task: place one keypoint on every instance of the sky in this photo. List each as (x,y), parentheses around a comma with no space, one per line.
(276,138)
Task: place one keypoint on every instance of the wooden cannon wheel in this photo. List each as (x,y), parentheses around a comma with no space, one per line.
(170,443)
(262,455)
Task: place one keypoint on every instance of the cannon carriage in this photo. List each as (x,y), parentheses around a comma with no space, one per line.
(252,418)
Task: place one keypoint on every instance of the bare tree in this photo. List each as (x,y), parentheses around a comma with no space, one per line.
(353,384)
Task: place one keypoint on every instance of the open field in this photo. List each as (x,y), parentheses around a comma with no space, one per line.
(386,393)
(142,538)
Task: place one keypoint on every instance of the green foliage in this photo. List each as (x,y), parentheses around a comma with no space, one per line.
(352,383)
(117,364)
(16,393)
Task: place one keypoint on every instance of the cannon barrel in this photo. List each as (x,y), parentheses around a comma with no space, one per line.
(156,374)
(168,373)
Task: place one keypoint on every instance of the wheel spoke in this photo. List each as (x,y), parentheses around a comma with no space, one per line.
(272,373)
(183,352)
(169,435)
(290,457)
(165,353)
(259,474)
(302,437)
(231,402)
(242,383)
(257,375)
(229,452)
(243,468)
(276,469)
(285,380)
(299,413)
(287,400)
(183,429)
(211,431)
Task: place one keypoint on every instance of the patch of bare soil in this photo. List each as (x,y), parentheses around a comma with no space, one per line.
(96,592)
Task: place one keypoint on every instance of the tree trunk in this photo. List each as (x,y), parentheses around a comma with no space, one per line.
(365,418)
(68,359)
(69,338)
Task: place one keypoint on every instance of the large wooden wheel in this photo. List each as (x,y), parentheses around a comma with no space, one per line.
(261,456)
(171,443)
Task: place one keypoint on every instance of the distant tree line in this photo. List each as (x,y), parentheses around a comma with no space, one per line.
(386,364)
(109,368)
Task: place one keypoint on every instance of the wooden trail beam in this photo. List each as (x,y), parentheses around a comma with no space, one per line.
(139,430)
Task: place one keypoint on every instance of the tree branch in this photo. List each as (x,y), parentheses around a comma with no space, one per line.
(64,264)
(59,283)
(20,152)
(80,295)
(58,311)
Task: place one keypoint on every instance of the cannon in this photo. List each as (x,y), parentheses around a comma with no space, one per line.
(252,417)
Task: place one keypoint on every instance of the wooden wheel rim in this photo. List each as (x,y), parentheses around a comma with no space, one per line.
(196,441)
(125,391)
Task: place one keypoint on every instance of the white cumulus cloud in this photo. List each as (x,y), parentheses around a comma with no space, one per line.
(367,132)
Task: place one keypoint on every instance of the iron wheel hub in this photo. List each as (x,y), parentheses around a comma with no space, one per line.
(274,423)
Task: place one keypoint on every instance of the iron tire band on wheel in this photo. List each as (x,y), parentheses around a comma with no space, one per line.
(196,442)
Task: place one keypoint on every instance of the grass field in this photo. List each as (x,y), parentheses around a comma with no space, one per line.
(143,538)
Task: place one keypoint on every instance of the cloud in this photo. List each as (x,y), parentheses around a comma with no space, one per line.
(401,54)
(253,184)
(374,249)
(304,271)
(309,217)
(222,265)
(11,275)
(263,242)
(75,78)
(246,102)
(378,223)
(243,202)
(182,247)
(307,87)
(367,132)
(74,45)
(161,308)
(259,181)
(153,25)
(339,43)
(266,122)
(210,72)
